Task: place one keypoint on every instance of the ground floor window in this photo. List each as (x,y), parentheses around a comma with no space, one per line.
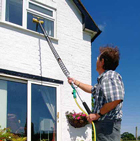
(43,115)
(14,109)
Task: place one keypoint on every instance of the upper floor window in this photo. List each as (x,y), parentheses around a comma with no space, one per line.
(22,12)
(14,11)
(44,14)
(41,9)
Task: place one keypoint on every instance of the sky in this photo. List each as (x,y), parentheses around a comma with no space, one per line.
(119,21)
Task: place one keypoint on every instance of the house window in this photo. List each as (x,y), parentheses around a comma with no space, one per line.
(21,12)
(13,109)
(44,14)
(41,9)
(14,11)
(43,113)
(48,24)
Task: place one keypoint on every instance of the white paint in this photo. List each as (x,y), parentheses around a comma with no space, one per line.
(3,104)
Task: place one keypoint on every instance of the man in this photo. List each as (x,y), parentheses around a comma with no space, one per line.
(108,94)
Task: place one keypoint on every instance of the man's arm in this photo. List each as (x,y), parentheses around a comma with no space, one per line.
(85,87)
(109,106)
(105,109)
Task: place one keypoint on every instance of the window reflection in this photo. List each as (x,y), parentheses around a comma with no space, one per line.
(16,107)
(44,112)
(14,11)
(41,9)
(48,25)
(13,101)
(13,110)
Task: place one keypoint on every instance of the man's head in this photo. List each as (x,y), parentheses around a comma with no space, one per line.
(108,59)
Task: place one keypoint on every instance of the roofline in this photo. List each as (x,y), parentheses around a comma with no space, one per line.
(88,22)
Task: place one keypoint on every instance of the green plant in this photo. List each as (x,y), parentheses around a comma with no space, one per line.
(5,134)
(127,136)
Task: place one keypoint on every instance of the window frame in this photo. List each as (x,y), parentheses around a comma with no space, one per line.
(29,83)
(26,9)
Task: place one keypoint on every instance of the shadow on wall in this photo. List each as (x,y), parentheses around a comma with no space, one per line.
(78,132)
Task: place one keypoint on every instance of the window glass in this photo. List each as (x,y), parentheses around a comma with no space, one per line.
(43,113)
(14,11)
(13,97)
(41,9)
(48,25)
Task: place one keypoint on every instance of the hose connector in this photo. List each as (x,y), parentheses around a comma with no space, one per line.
(74,93)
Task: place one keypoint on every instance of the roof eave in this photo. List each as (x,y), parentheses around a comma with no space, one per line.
(93,34)
(88,22)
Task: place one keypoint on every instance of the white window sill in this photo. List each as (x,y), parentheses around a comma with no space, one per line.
(27,30)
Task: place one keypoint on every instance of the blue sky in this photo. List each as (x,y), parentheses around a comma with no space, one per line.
(120,24)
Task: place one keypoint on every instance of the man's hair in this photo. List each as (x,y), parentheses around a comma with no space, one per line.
(111,57)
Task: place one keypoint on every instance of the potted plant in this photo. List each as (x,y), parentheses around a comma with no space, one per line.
(76,120)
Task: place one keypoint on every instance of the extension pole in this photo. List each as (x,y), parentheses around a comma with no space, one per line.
(65,71)
(59,60)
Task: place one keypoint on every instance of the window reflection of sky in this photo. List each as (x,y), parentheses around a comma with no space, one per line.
(43,112)
(41,115)
(40,9)
(14,11)
(48,24)
(16,106)
(14,14)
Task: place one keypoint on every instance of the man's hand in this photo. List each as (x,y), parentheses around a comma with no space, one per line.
(70,80)
(92,117)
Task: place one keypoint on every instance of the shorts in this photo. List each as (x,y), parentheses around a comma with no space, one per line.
(108,130)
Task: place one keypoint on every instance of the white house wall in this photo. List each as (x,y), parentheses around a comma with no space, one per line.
(19,51)
(0,7)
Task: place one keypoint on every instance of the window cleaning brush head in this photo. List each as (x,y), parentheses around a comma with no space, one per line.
(37,21)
